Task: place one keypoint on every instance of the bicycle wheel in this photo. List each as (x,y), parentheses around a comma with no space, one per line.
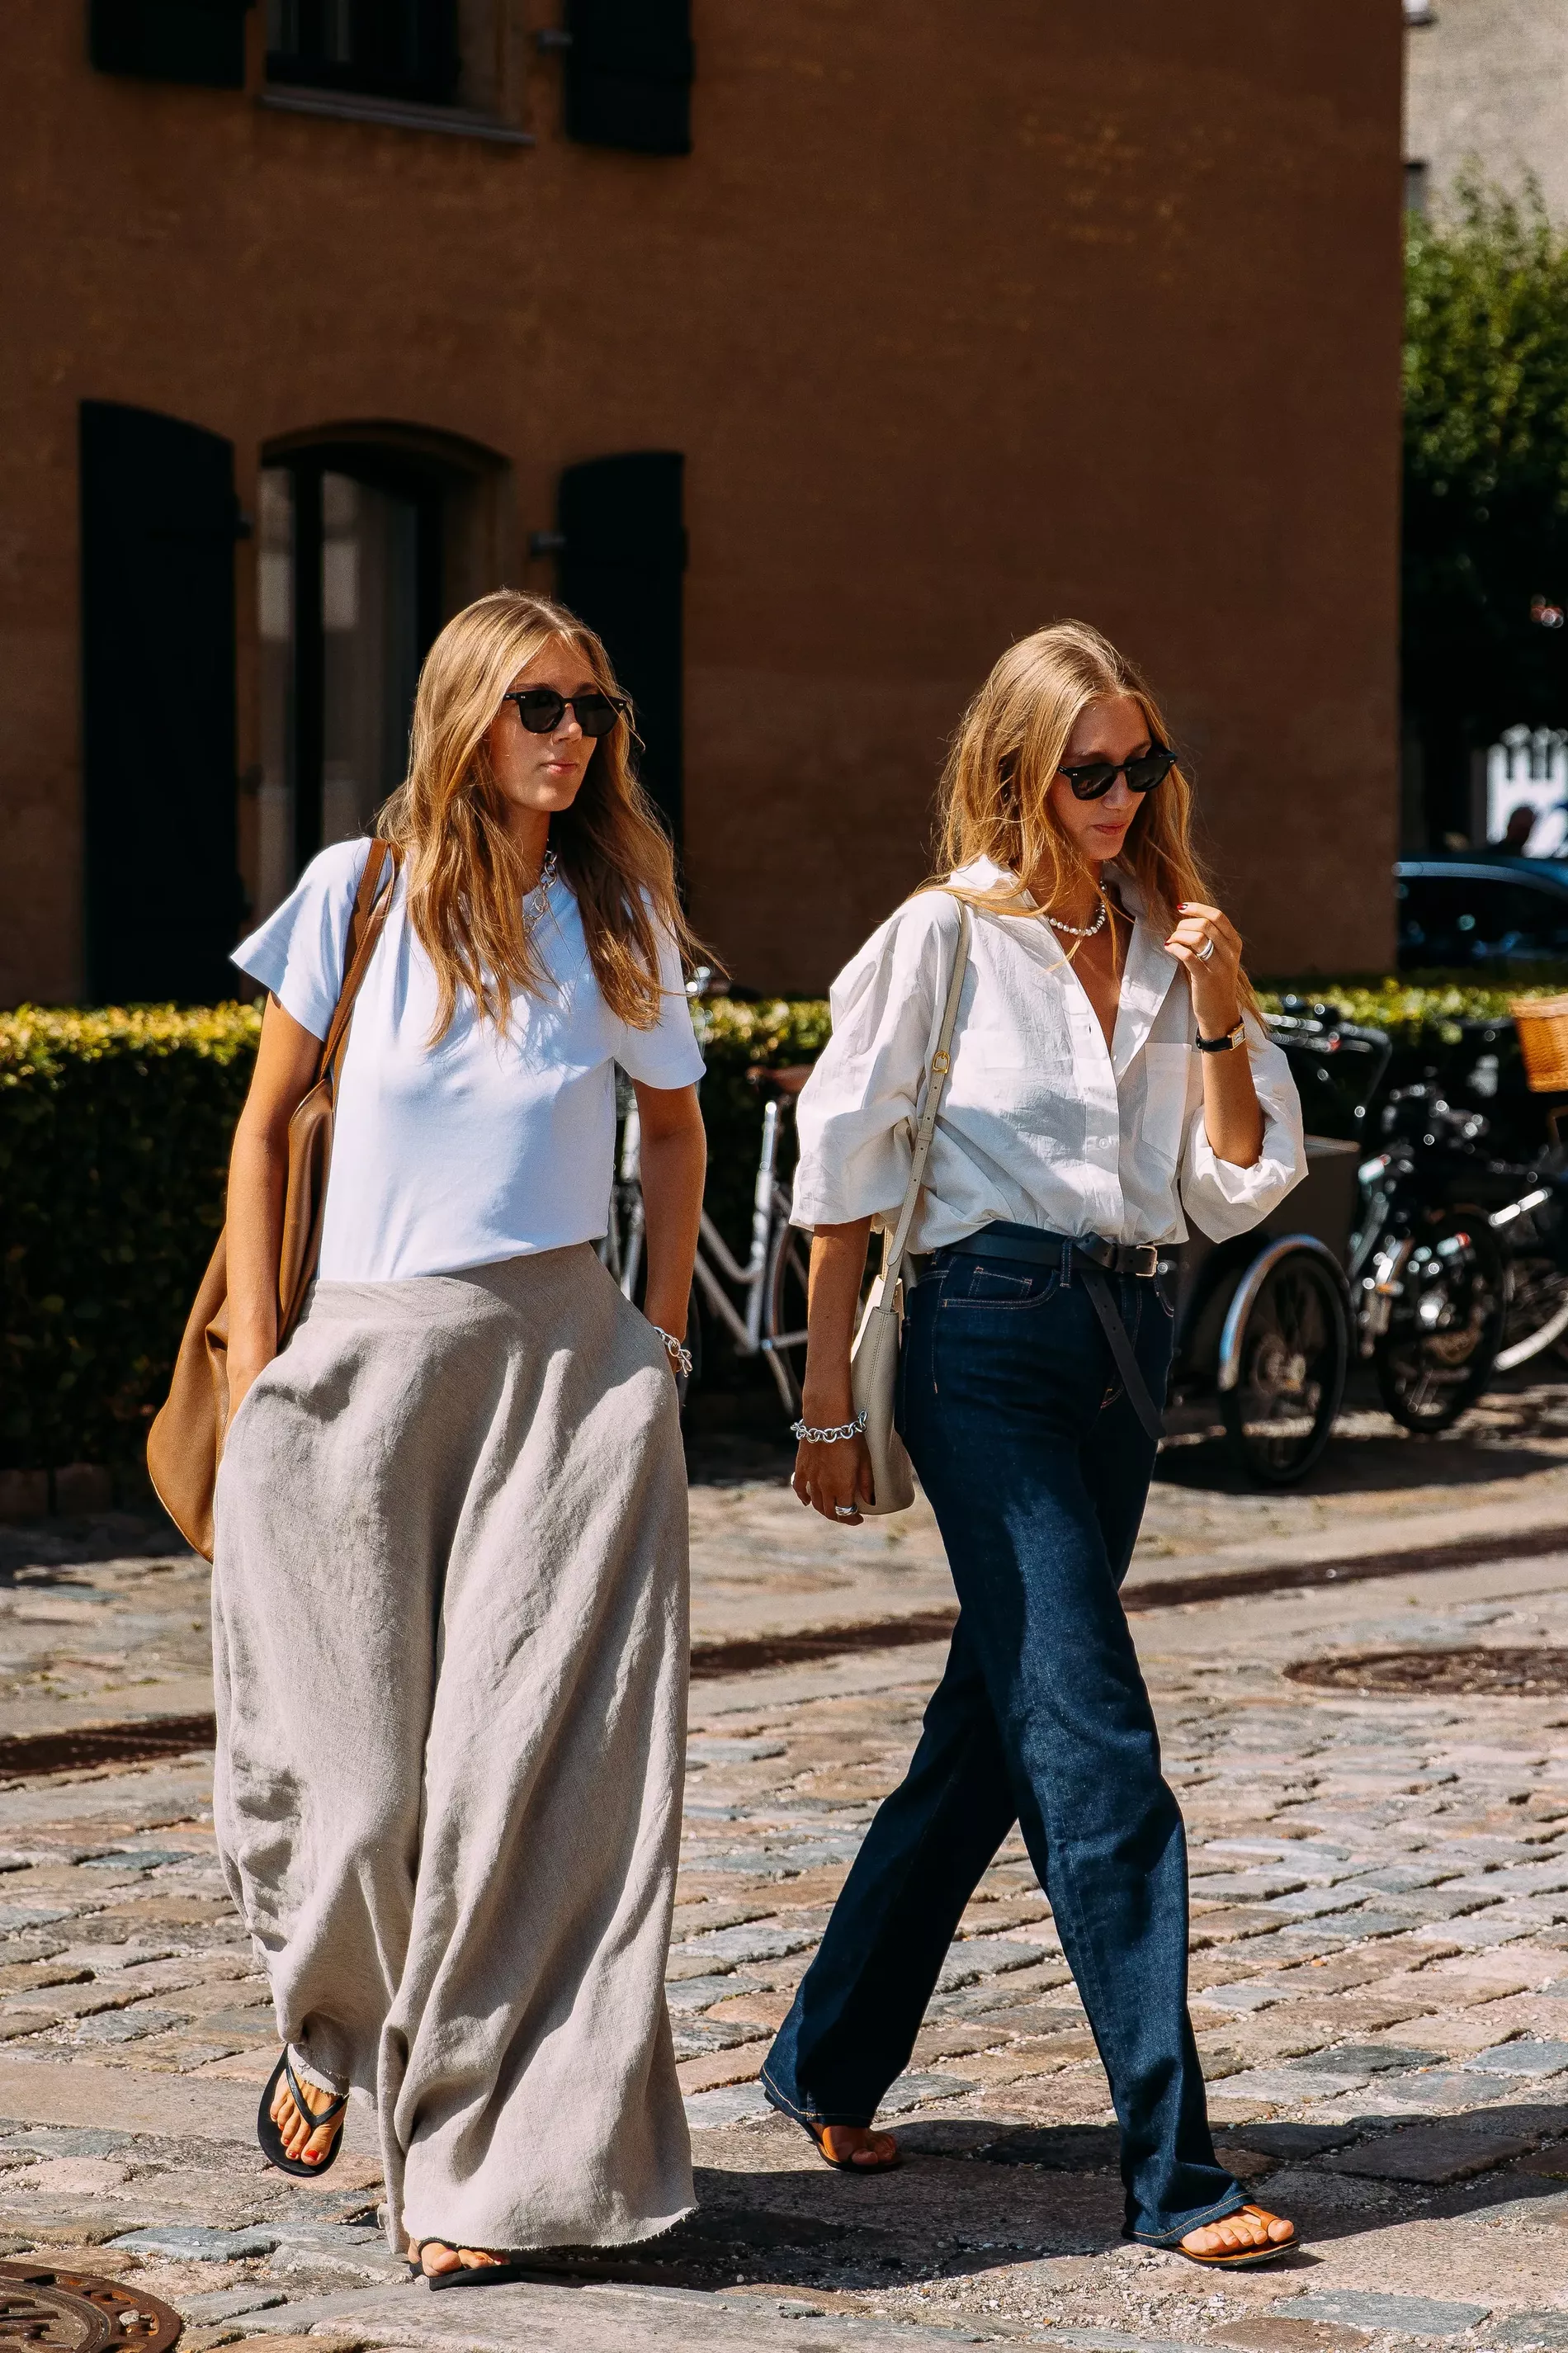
(1295,1349)
(1445,1323)
(1537,1316)
(783,1316)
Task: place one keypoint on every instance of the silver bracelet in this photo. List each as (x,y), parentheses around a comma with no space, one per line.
(810,1436)
(679,1355)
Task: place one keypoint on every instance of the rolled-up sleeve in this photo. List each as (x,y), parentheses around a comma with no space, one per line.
(856,1114)
(1222,1199)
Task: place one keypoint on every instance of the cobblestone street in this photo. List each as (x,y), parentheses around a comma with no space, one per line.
(1379,1956)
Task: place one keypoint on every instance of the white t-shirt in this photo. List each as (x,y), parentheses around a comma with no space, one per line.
(485,1146)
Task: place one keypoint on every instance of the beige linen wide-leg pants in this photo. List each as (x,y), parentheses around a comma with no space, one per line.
(450,1615)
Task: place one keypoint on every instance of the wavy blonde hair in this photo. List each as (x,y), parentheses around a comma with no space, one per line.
(995,787)
(466,881)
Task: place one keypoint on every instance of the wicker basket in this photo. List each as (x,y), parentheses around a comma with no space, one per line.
(1543,1026)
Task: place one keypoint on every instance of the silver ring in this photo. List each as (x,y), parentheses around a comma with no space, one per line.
(1206,952)
(844,1511)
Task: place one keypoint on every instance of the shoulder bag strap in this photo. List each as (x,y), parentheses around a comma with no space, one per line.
(935,1088)
(372,901)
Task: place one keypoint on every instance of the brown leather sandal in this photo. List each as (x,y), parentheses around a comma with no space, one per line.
(846,2164)
(1235,2258)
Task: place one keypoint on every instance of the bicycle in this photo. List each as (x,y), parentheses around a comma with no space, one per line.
(770,1319)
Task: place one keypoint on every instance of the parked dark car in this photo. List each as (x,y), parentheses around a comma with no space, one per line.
(1481,910)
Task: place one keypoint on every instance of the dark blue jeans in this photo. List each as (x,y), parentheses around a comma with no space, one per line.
(1037,1468)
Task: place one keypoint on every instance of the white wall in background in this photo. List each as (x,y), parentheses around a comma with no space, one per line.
(1529,769)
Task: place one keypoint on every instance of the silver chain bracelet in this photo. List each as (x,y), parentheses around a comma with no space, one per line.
(679,1355)
(809,1437)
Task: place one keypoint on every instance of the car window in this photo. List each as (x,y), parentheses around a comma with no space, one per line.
(1446,919)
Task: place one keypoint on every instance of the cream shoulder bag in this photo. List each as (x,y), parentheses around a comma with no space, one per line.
(873,1358)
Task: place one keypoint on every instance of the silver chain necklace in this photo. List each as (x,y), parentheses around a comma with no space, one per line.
(533,907)
(1081,931)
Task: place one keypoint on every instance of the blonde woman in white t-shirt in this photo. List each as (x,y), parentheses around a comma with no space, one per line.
(449,1580)
(1109,1082)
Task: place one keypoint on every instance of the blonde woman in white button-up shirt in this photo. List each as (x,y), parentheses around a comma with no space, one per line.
(1110,1086)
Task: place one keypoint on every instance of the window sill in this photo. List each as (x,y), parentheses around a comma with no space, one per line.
(392,115)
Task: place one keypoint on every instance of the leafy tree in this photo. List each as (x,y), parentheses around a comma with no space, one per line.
(1485,483)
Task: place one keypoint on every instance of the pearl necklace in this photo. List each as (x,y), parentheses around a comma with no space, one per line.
(1081,931)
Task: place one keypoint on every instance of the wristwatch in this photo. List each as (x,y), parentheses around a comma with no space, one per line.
(1236,1037)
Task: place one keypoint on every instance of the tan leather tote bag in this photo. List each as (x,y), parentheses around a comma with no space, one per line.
(184,1445)
(873,1358)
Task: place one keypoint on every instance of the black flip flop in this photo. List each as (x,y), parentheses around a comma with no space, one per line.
(271,2141)
(473,2274)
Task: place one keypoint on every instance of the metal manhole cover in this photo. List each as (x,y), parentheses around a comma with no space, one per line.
(78,2312)
(1534,1673)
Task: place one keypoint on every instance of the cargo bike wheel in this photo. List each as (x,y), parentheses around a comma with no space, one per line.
(1447,1298)
(1286,1349)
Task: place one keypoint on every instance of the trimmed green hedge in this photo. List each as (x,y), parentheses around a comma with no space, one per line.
(1415,1013)
(114,1137)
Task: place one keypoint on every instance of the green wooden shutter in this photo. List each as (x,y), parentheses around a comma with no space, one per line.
(628,74)
(158,529)
(622,568)
(198,41)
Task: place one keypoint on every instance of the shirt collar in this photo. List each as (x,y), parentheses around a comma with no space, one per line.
(1150,969)
(985,874)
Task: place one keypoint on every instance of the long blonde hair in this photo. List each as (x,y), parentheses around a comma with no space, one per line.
(995,787)
(467,880)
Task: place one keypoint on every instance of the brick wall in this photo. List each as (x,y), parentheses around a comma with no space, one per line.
(963,320)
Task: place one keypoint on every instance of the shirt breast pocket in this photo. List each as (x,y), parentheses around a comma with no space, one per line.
(1167,1070)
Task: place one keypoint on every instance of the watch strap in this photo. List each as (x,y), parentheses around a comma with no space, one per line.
(1223,1045)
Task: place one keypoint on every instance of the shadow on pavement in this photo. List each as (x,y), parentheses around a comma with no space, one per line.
(1363,1466)
(975,2195)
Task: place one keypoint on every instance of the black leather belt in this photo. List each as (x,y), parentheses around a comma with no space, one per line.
(1040,1249)
(1096,1258)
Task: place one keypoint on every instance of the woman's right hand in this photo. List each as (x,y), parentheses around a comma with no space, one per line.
(834,1475)
(834,1478)
(241,1371)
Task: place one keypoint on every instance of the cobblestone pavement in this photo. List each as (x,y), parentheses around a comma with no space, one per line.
(758,1561)
(1380,1972)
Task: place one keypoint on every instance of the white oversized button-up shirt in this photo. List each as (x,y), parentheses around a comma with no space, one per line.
(1040,1125)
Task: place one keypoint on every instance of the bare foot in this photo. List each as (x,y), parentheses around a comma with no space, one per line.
(436,2256)
(857,2146)
(1254,2230)
(302,2138)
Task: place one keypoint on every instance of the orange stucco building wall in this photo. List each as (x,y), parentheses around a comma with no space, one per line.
(965,319)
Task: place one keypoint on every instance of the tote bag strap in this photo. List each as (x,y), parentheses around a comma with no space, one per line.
(372,901)
(937,1071)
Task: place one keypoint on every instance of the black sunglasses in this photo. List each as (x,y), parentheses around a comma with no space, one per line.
(542,710)
(1142,773)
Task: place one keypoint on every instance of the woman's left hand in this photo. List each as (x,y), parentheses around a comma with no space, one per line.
(1208,945)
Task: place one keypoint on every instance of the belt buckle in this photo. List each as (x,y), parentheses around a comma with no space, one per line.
(1143,1260)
